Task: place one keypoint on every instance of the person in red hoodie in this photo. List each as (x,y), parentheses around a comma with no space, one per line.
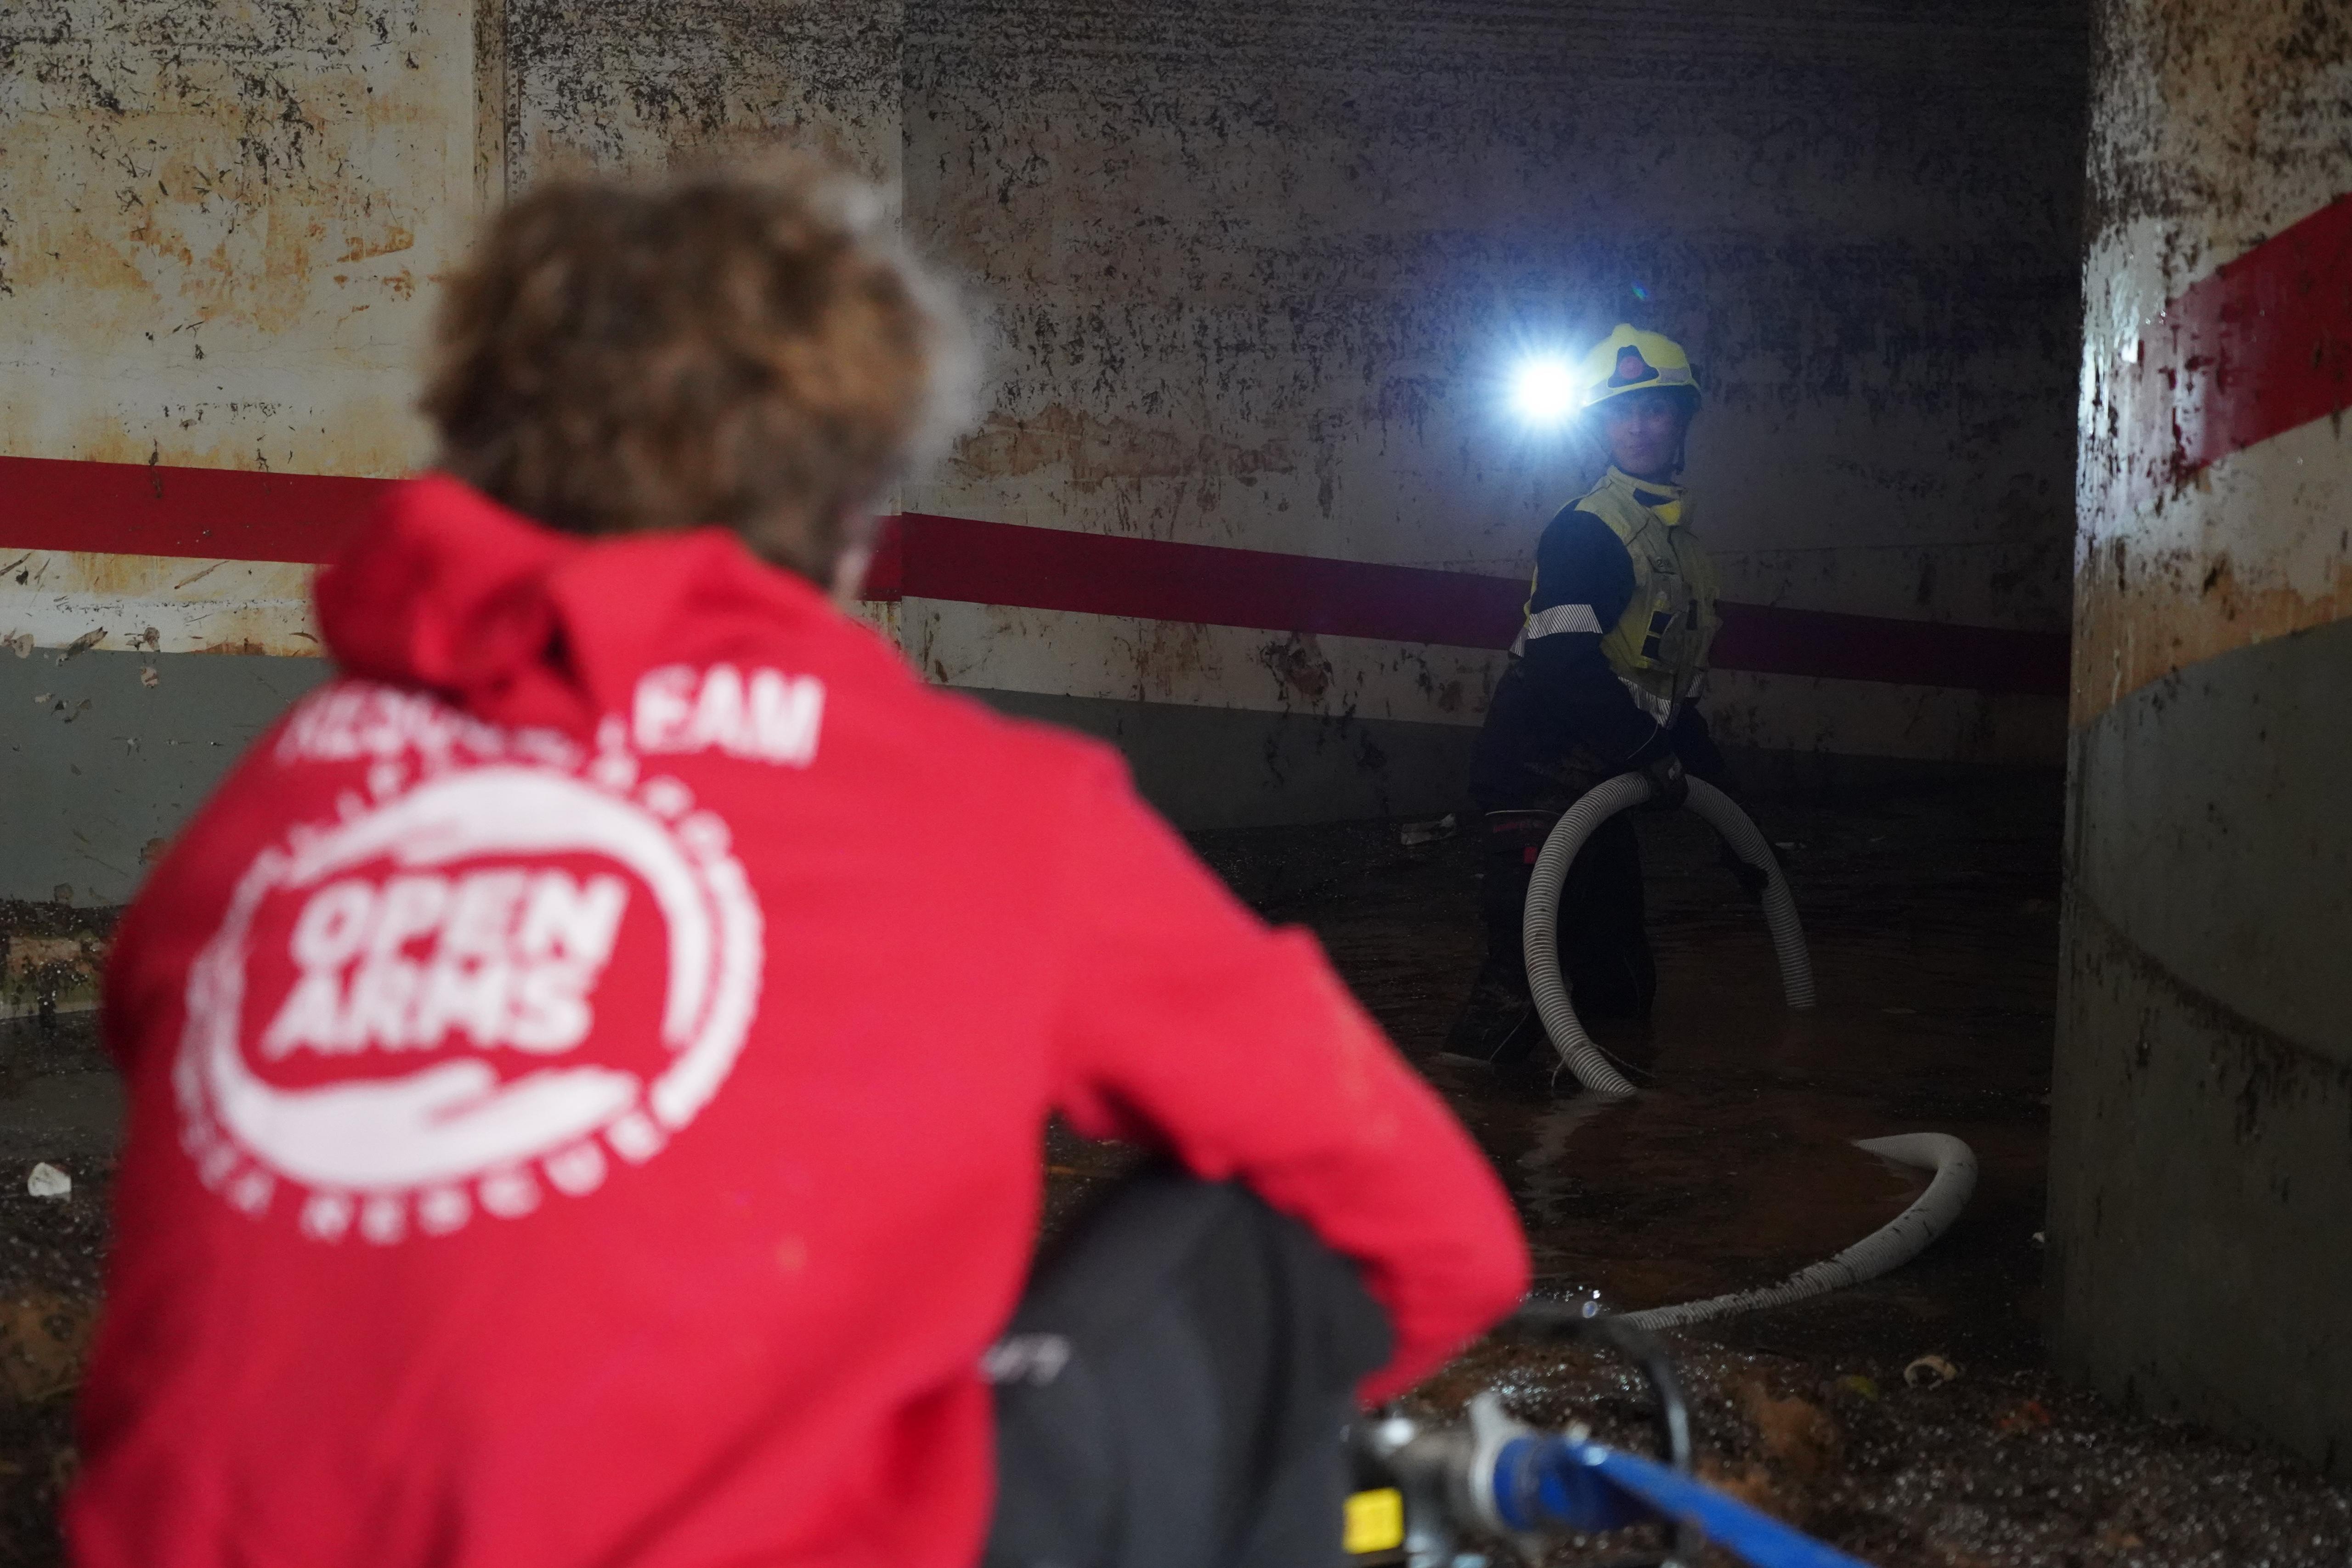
(587,1064)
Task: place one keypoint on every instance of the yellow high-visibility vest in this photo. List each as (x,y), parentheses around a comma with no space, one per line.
(1659,646)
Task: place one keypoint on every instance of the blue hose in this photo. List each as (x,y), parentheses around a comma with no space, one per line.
(1544,1484)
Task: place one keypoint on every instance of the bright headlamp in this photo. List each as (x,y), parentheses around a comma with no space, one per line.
(1544,390)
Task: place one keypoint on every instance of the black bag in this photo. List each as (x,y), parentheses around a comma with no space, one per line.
(1172,1390)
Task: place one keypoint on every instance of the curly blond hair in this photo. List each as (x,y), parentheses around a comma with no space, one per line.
(741,344)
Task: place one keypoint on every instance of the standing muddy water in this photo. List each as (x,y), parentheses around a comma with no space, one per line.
(1933,922)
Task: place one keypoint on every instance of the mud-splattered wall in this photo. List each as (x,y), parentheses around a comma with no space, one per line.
(221,224)
(1249,276)
(218,230)
(220,227)
(1255,277)
(635,83)
(2201,1161)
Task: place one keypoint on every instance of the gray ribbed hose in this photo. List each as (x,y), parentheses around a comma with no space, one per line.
(1540,927)
(1891,1246)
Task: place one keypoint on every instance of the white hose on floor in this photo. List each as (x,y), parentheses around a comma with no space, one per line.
(1540,926)
(1889,1247)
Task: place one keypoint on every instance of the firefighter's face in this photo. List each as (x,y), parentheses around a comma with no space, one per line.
(1644,431)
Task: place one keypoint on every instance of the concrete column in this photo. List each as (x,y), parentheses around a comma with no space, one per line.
(2201,1224)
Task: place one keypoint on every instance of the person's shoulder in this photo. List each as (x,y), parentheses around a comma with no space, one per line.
(1576,529)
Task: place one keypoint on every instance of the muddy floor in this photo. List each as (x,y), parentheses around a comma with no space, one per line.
(1933,922)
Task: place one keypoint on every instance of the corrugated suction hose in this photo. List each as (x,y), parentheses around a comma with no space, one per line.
(1954,1163)
(1540,927)
(1891,1246)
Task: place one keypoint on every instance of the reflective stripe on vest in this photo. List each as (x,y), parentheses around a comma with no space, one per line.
(1550,623)
(1656,708)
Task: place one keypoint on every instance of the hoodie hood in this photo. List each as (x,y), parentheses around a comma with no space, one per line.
(519,625)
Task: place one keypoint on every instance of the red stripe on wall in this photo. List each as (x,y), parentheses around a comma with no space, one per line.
(1057,569)
(2260,347)
(1104,574)
(213,514)
(233,514)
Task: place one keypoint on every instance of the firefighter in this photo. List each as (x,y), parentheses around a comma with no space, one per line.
(1604,680)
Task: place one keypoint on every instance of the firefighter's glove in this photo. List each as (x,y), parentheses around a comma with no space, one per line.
(1669,788)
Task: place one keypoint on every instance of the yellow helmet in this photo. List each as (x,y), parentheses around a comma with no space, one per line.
(1631,360)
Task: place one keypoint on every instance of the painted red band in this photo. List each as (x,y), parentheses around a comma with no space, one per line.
(2260,347)
(1107,574)
(216,514)
(1056,569)
(233,514)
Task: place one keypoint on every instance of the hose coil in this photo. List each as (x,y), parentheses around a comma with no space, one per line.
(1539,925)
(1954,1164)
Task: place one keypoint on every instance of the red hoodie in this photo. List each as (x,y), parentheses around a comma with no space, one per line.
(587,1067)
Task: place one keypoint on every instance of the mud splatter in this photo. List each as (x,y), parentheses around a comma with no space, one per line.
(1091,450)
(1298,668)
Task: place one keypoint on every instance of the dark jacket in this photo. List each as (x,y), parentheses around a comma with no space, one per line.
(1562,719)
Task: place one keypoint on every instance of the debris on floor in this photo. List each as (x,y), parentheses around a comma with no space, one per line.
(1933,921)
(1732,1170)
(1929,1370)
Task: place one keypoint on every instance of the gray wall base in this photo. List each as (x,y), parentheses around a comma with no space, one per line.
(93,776)
(1834,778)
(2200,1189)
(108,764)
(1227,767)
(2200,1207)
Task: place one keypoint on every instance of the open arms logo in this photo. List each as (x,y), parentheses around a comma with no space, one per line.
(513,957)
(412,1014)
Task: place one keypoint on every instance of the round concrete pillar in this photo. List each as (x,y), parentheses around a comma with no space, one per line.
(2201,1221)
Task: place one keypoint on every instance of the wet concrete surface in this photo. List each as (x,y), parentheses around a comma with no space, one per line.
(60,1100)
(1933,924)
(59,1103)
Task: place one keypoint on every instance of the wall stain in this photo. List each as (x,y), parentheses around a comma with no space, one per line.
(1088,450)
(1299,669)
(1159,658)
(2141,615)
(180,175)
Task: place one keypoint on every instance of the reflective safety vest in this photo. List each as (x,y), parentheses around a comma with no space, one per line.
(1659,647)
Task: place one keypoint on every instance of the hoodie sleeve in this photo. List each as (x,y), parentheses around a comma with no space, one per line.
(1185,1023)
